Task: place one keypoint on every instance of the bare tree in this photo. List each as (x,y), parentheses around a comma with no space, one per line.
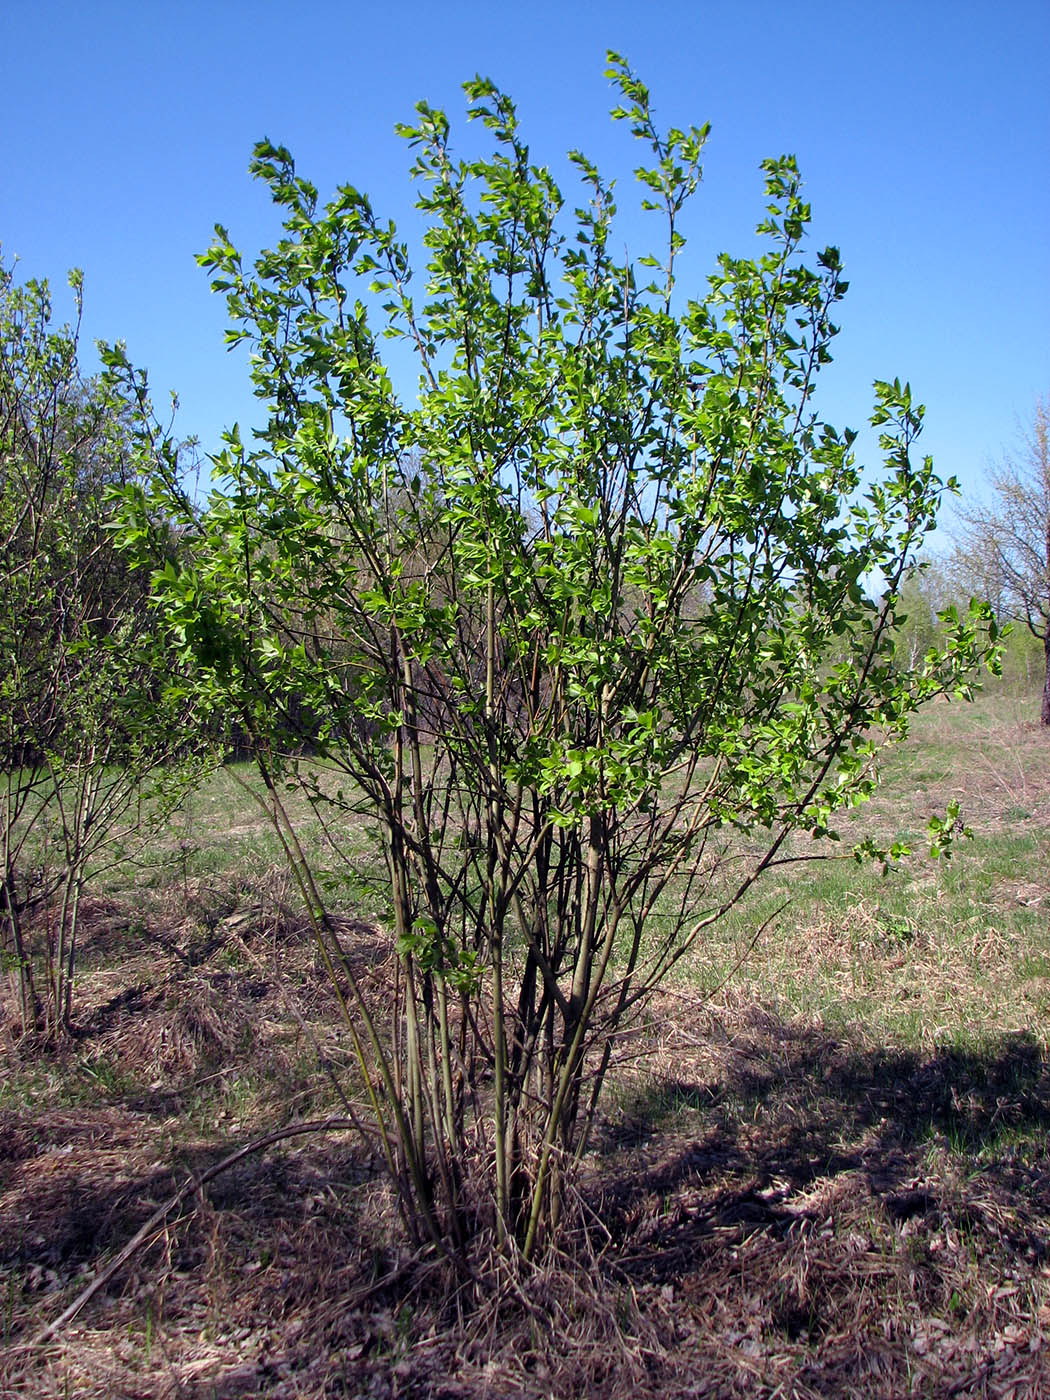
(1007,540)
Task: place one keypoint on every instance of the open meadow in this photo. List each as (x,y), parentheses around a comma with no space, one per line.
(823,1167)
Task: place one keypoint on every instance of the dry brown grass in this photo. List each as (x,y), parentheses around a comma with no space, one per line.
(778,1203)
(768,1211)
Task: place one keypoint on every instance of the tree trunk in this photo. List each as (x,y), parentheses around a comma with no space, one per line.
(1046,680)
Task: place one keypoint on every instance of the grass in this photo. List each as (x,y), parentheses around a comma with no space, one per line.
(823,1172)
(930,949)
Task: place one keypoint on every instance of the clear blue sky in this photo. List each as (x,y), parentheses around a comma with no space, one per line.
(922,130)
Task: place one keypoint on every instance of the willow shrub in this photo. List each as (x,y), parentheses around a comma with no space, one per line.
(92,760)
(589,603)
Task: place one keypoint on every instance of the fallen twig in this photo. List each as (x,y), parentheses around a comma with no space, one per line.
(319,1125)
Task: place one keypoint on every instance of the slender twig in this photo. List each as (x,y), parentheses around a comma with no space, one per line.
(323,1125)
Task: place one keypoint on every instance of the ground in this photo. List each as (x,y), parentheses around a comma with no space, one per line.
(825,1172)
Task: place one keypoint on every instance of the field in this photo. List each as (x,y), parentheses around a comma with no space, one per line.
(823,1170)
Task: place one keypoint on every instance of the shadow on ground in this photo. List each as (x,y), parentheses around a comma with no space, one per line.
(789,1106)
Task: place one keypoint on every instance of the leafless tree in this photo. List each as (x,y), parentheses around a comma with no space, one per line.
(1006,539)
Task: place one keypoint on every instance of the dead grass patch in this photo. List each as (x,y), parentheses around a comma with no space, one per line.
(787,1198)
(769,1210)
